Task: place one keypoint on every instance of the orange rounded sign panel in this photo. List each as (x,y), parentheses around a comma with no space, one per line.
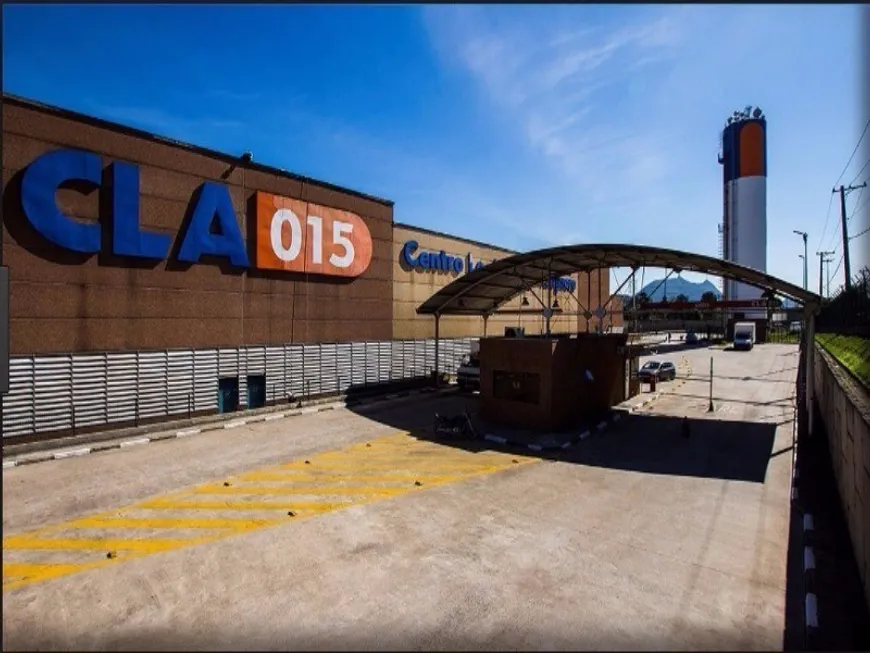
(297,236)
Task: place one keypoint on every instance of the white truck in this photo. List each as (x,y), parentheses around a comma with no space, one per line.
(468,374)
(744,335)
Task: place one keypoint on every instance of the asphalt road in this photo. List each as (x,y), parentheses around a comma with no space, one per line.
(638,538)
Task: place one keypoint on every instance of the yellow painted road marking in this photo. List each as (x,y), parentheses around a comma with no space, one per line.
(169,522)
(398,476)
(387,467)
(149,546)
(394,465)
(304,491)
(301,506)
(17,573)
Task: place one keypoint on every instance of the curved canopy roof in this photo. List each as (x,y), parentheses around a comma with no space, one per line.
(483,291)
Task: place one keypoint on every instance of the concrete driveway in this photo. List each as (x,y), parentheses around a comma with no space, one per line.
(637,538)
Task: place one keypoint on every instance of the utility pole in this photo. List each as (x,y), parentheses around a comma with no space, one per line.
(803,234)
(828,261)
(822,258)
(847,267)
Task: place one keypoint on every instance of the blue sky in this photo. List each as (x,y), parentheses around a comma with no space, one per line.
(523,126)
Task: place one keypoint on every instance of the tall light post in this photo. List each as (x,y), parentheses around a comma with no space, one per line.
(804,259)
(803,234)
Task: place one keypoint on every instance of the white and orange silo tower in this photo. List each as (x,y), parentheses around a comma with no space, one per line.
(744,226)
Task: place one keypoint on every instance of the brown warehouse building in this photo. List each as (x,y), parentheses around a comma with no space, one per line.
(151,279)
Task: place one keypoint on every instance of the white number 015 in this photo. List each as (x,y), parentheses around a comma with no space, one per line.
(340,233)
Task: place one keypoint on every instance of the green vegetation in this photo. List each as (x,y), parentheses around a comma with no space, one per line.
(852,352)
(782,336)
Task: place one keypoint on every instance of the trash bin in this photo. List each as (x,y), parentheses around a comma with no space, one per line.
(652,384)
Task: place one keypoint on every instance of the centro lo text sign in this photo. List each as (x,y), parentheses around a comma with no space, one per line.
(291,235)
(428,260)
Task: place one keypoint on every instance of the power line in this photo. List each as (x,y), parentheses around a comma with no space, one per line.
(836,269)
(852,156)
(827,219)
(848,163)
(859,207)
(863,168)
(834,242)
(859,234)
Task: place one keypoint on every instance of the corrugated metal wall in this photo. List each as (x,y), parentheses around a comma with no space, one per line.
(63,392)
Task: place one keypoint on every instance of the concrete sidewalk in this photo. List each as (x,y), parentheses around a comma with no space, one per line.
(59,449)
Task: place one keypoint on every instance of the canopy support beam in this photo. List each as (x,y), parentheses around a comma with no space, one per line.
(437,356)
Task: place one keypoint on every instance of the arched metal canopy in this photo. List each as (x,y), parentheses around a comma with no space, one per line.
(483,291)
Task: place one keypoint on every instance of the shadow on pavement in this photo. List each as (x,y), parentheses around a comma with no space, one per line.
(651,444)
(760,378)
(396,635)
(784,402)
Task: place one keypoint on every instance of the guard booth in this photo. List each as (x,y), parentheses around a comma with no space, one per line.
(551,382)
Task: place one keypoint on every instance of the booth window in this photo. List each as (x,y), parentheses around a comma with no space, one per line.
(516,386)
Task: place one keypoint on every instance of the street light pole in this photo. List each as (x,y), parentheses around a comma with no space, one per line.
(803,234)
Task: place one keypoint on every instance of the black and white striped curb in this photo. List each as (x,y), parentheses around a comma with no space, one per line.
(213,426)
(811,605)
(651,398)
(601,426)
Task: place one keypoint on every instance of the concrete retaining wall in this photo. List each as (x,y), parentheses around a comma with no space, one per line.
(844,407)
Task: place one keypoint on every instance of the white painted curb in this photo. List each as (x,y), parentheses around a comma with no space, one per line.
(133,443)
(60,455)
(213,426)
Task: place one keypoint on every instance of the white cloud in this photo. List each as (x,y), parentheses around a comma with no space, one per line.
(618,110)
(558,83)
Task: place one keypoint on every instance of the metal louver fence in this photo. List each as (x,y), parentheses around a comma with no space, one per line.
(78,391)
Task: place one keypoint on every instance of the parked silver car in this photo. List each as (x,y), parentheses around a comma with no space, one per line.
(658,370)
